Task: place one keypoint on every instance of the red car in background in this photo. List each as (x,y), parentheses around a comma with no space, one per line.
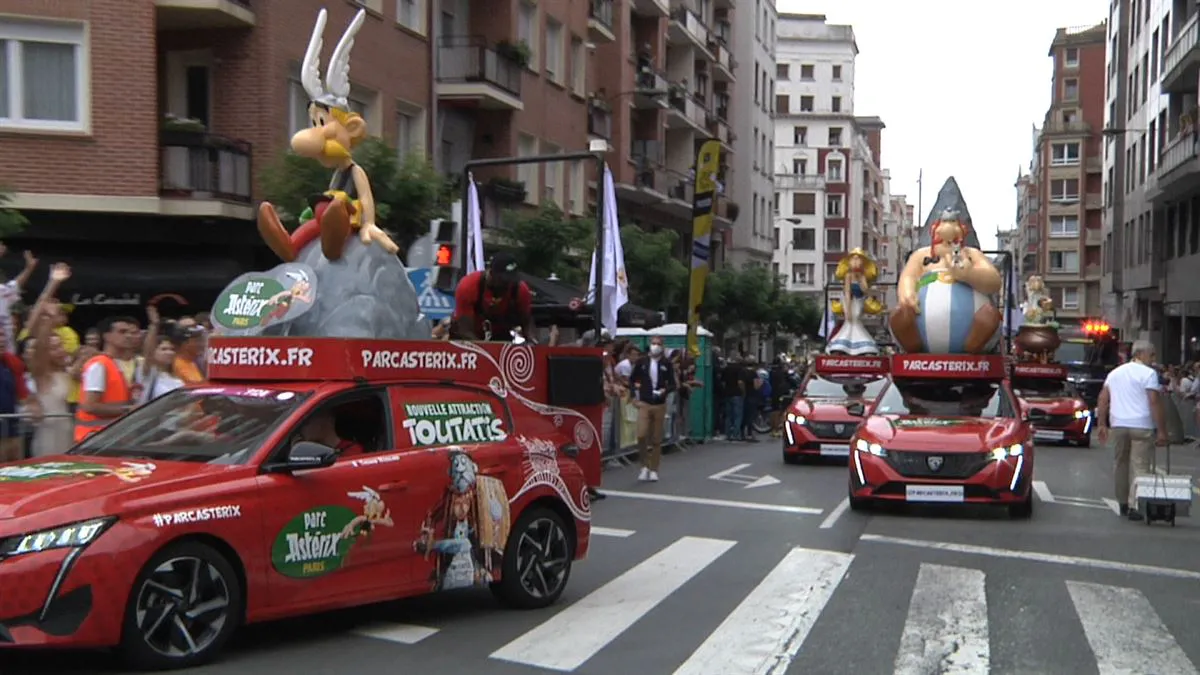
(830,404)
(946,431)
(309,475)
(1044,387)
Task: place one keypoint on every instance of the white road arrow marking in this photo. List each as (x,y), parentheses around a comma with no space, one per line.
(732,475)
(1043,492)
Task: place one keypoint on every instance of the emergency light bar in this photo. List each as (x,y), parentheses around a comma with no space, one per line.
(832,364)
(948,366)
(1047,371)
(1096,328)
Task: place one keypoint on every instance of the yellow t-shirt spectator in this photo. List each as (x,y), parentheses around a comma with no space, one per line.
(187,371)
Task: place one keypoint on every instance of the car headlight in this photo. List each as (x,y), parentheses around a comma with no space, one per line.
(65,536)
(871,448)
(1080,414)
(796,419)
(1014,450)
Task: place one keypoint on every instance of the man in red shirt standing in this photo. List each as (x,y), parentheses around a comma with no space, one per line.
(489,305)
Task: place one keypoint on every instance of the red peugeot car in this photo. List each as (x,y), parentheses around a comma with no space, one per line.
(1044,387)
(830,404)
(310,475)
(946,431)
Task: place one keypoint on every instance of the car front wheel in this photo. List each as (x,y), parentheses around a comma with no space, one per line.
(537,560)
(184,607)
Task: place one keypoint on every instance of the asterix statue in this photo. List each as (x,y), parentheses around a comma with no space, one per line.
(1038,307)
(335,130)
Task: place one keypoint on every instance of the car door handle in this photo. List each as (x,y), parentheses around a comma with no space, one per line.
(399,486)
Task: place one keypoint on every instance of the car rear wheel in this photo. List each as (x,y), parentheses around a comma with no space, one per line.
(537,560)
(1024,509)
(185,605)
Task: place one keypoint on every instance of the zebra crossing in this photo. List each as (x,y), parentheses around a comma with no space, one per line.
(947,626)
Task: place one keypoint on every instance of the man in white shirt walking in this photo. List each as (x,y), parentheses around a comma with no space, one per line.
(1131,412)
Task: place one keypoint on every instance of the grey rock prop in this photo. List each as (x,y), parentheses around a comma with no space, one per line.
(367,294)
(949,199)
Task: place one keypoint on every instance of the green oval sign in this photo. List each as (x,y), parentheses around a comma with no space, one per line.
(314,543)
(259,299)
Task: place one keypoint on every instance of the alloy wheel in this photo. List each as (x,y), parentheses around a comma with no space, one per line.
(543,558)
(182,607)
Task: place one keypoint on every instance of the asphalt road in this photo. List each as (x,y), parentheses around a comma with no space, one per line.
(762,570)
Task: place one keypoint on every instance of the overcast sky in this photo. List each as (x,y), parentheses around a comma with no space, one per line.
(959,84)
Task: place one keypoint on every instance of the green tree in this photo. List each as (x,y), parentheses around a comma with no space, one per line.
(657,279)
(547,241)
(408,193)
(750,298)
(11,220)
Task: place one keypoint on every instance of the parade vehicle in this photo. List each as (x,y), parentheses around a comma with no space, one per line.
(309,474)
(819,421)
(1090,351)
(1044,387)
(947,430)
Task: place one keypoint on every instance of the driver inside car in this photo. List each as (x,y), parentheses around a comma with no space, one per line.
(320,428)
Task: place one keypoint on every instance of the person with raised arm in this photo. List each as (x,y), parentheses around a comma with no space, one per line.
(49,368)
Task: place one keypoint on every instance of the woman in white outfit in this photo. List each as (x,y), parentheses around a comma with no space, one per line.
(857,271)
(49,366)
(157,374)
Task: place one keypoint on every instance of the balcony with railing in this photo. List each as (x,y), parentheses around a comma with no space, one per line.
(650,89)
(719,129)
(1066,128)
(686,27)
(1094,164)
(723,63)
(600,21)
(203,166)
(686,111)
(799,181)
(203,14)
(1093,237)
(1178,161)
(470,70)
(1182,63)
(1093,201)
(599,119)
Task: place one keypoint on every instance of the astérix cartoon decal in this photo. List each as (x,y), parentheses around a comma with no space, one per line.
(924,422)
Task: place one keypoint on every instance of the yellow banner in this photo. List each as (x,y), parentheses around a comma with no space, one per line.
(708,161)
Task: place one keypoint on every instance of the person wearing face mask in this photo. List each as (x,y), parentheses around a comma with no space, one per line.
(1132,413)
(652,379)
(493,304)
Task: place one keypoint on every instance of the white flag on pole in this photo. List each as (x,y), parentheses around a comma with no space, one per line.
(615,283)
(474,228)
(827,324)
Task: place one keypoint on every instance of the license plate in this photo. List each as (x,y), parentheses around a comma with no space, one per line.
(828,450)
(933,493)
(1048,435)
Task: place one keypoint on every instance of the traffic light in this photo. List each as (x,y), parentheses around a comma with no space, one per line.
(445,253)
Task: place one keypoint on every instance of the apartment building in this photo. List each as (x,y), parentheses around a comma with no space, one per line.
(829,187)
(753,181)
(666,83)
(1152,223)
(899,238)
(1069,181)
(1028,227)
(148,154)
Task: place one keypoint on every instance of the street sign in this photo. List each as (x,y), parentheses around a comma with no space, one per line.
(732,475)
(435,304)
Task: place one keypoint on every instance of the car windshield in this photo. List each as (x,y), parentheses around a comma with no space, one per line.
(843,386)
(1035,388)
(1100,353)
(211,425)
(945,398)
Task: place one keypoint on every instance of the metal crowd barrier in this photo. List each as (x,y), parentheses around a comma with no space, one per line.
(620,427)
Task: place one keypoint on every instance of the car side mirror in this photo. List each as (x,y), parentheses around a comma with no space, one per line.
(306,455)
(856,409)
(1037,416)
